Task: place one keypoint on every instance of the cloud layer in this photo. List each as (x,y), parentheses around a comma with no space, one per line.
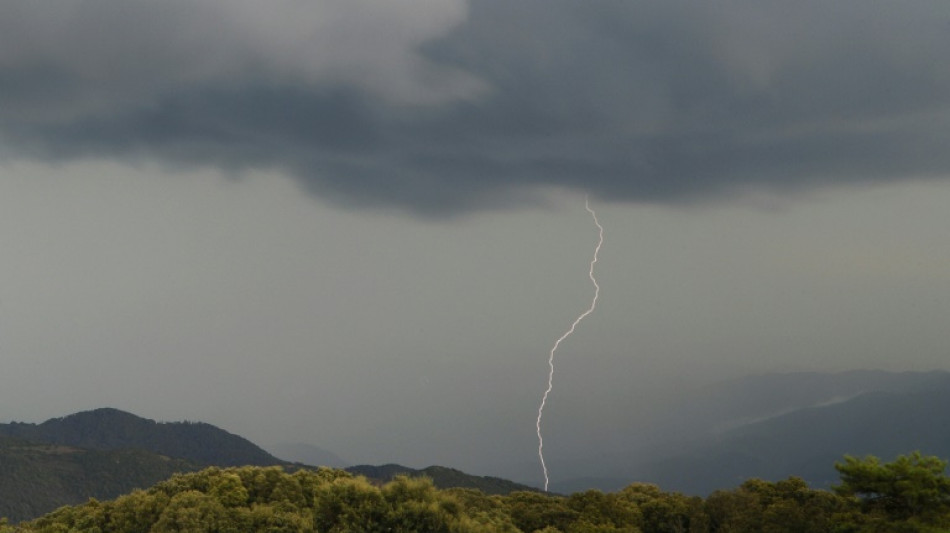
(438,107)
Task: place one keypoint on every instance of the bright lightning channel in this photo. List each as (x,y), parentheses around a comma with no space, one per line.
(593,304)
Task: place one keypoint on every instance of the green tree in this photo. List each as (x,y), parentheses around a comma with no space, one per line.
(531,511)
(416,505)
(349,504)
(229,490)
(193,512)
(602,513)
(913,490)
(482,512)
(136,512)
(787,506)
(665,512)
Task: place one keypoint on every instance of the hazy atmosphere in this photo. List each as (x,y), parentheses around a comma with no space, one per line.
(360,224)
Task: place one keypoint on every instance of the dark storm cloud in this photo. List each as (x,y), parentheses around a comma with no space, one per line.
(633,101)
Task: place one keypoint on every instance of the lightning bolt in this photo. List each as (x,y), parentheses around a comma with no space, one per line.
(593,305)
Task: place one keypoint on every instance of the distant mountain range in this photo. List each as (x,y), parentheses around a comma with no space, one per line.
(106,452)
(807,442)
(308,454)
(770,426)
(778,425)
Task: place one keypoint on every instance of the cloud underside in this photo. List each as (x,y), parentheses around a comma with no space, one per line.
(443,107)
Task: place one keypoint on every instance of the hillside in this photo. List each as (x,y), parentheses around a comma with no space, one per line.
(736,402)
(103,453)
(112,429)
(767,427)
(106,452)
(441,477)
(775,425)
(807,441)
(37,478)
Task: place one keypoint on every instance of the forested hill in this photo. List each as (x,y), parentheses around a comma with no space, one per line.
(112,429)
(107,452)
(441,477)
(36,478)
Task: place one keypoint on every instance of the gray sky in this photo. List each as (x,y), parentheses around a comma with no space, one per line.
(360,224)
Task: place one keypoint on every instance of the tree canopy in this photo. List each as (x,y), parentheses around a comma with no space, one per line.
(913,489)
(910,494)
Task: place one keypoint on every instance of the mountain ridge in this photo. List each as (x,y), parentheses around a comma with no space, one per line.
(873,412)
(887,415)
(103,453)
(108,428)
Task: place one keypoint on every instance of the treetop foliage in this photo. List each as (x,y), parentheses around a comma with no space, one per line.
(910,494)
(913,488)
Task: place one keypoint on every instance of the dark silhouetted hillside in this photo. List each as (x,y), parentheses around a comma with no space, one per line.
(37,478)
(807,442)
(107,452)
(112,429)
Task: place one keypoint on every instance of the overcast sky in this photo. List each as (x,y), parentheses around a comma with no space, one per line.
(360,224)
